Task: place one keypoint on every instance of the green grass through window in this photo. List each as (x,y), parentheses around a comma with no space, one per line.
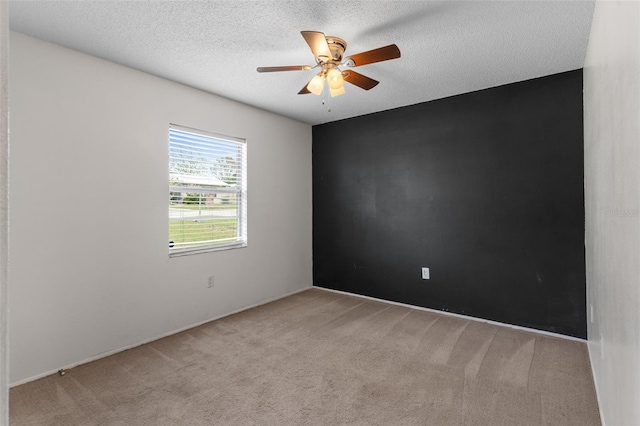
(196,230)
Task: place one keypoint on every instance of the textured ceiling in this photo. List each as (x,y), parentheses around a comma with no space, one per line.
(448,47)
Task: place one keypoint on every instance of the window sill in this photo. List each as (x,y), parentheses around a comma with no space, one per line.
(207,249)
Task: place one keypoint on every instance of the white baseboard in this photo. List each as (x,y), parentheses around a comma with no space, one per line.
(466,317)
(153,339)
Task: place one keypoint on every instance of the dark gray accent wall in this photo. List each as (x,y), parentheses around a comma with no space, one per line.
(485,189)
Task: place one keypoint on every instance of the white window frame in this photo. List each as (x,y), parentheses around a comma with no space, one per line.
(239,191)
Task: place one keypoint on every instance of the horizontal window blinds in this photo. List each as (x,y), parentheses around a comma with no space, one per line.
(207,191)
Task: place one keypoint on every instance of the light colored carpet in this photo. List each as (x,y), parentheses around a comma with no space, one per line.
(320,358)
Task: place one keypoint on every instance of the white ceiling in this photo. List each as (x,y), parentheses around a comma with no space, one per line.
(448,47)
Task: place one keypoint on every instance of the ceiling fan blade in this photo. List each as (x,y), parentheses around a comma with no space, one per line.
(376,55)
(318,44)
(304,90)
(284,68)
(359,80)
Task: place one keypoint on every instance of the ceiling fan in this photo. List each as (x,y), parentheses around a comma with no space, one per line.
(328,52)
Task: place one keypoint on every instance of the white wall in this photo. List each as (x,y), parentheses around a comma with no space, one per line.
(612,197)
(90,271)
(4,214)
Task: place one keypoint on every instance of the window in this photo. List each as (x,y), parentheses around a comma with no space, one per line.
(207,191)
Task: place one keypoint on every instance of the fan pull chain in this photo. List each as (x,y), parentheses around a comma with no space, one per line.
(325,95)
(326,104)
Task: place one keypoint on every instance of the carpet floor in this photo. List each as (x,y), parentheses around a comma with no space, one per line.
(321,358)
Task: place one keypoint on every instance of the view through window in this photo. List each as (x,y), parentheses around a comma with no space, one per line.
(207,191)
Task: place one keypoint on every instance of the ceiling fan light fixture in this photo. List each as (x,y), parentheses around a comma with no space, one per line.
(336,92)
(336,82)
(316,85)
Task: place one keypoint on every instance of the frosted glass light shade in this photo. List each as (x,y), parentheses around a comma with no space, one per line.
(316,84)
(336,92)
(335,79)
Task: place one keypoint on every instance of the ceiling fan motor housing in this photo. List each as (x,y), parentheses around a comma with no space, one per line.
(337,46)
